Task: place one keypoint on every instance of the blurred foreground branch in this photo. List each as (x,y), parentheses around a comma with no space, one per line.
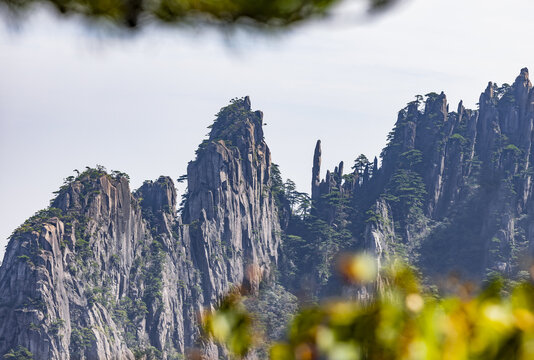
(402,321)
(135,14)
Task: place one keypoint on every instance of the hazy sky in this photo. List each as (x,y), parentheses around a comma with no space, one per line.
(141,105)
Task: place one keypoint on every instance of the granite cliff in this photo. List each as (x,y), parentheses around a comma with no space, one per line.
(110,273)
(454,190)
(107,273)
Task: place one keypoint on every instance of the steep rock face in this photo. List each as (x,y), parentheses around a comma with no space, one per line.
(455,188)
(380,233)
(173,291)
(316,172)
(474,169)
(334,183)
(103,279)
(105,273)
(47,278)
(236,231)
(109,274)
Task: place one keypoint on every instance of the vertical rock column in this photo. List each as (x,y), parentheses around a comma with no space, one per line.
(232,217)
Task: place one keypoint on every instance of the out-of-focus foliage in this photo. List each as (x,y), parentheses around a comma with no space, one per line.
(272,309)
(401,322)
(137,13)
(231,324)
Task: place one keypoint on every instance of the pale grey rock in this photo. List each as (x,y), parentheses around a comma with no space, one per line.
(316,172)
(121,273)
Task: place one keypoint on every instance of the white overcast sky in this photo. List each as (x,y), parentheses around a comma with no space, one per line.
(141,105)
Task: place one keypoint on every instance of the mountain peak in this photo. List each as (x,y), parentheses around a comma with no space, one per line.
(522,82)
(236,126)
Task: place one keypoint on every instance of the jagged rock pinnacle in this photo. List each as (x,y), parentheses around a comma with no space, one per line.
(316,171)
(522,82)
(340,171)
(246,102)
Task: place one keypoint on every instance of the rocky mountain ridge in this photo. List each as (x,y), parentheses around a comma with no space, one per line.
(454,189)
(110,273)
(107,273)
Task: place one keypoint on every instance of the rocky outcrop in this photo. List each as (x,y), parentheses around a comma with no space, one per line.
(334,184)
(230,206)
(316,172)
(457,185)
(48,279)
(379,234)
(105,273)
(98,277)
